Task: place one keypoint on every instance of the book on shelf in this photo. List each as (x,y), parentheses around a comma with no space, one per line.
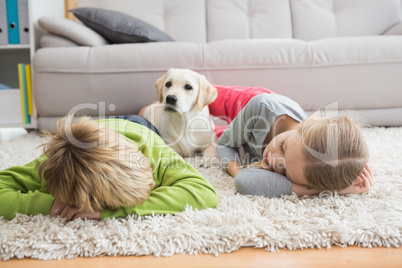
(3,23)
(23,21)
(14,22)
(25,82)
(29,87)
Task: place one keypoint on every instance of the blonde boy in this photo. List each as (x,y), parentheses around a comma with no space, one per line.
(105,168)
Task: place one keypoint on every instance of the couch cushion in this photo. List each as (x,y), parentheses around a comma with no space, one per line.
(357,50)
(183,20)
(355,72)
(113,75)
(316,19)
(255,53)
(314,73)
(241,19)
(118,27)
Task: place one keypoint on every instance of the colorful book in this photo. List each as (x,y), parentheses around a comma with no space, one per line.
(12,20)
(24,95)
(21,83)
(29,88)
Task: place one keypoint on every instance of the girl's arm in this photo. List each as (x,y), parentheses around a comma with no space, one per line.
(229,159)
(302,190)
(255,117)
(361,184)
(233,167)
(256,181)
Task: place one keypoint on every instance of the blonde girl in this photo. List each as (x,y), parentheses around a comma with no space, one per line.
(289,154)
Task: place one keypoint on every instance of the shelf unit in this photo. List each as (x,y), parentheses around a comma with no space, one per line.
(11,55)
(8,47)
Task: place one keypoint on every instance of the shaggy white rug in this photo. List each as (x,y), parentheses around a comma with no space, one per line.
(368,220)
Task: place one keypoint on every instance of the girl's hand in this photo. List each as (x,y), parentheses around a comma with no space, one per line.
(361,184)
(233,167)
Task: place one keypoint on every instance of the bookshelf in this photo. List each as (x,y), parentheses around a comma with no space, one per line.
(11,55)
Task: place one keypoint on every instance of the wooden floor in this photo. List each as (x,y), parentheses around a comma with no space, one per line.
(243,258)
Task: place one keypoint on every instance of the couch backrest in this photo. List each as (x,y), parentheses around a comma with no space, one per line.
(301,19)
(316,19)
(183,20)
(200,21)
(247,19)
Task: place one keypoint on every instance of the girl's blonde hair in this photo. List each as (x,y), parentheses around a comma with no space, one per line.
(91,167)
(335,152)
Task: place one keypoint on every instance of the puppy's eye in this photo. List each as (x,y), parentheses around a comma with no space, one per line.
(188,87)
(168,84)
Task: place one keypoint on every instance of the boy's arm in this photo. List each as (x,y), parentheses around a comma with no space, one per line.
(181,185)
(21,191)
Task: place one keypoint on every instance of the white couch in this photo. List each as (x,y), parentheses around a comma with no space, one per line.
(318,52)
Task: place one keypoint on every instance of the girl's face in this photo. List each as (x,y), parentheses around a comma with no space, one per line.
(284,156)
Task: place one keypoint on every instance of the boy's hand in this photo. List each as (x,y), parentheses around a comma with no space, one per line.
(72,213)
(88,215)
(362,183)
(57,208)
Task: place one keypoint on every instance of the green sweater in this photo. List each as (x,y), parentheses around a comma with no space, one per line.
(178,184)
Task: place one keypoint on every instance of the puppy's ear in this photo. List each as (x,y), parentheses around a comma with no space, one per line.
(207,94)
(159,85)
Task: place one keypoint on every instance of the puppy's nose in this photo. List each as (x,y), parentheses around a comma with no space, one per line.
(171,99)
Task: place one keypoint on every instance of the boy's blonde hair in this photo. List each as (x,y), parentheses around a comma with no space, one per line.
(335,152)
(91,167)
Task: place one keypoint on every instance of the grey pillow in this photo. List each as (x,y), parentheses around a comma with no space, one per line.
(118,27)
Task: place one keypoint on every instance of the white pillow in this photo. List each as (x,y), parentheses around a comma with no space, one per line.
(79,33)
(54,40)
(395,30)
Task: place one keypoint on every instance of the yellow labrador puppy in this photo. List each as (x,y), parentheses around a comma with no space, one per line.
(182,114)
